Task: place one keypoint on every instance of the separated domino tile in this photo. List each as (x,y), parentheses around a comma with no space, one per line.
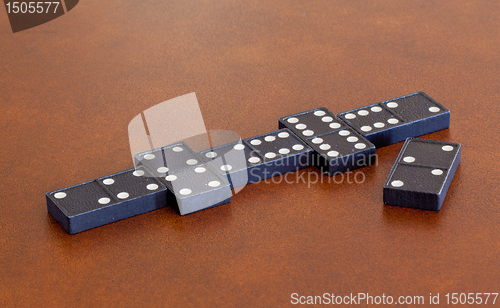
(422,174)
(168,159)
(311,123)
(197,188)
(239,164)
(102,201)
(282,152)
(395,120)
(342,151)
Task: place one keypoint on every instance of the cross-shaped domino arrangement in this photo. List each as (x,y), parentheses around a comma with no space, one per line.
(190,181)
(192,184)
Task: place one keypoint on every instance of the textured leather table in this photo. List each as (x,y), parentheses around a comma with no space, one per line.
(69,88)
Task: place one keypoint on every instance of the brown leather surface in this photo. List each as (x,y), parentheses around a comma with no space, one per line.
(70,87)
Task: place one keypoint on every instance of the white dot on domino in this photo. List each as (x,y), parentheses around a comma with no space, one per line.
(108,181)
(199,169)
(301,126)
(447,148)
(270,138)
(319,113)
(376,109)
(123,195)
(292,120)
(308,132)
(397,183)
(325,147)
(255,142)
(409,159)
(392,105)
(149,156)
(185,191)
(162,170)
(437,172)
(352,139)
(283,135)
(239,147)
(379,125)
(214,184)
(211,154)
(171,178)
(366,128)
(363,113)
(326,119)
(60,195)
(152,187)
(393,121)
(298,147)
(191,162)
(177,149)
(226,168)
(360,146)
(350,116)
(317,141)
(344,133)
(334,125)
(270,155)
(254,160)
(138,173)
(104,200)
(333,154)
(284,151)
(434,109)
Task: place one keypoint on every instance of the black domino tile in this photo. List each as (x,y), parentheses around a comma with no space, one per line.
(282,152)
(197,188)
(403,117)
(311,123)
(422,174)
(342,151)
(93,204)
(236,161)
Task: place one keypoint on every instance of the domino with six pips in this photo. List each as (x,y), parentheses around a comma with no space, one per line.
(190,181)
